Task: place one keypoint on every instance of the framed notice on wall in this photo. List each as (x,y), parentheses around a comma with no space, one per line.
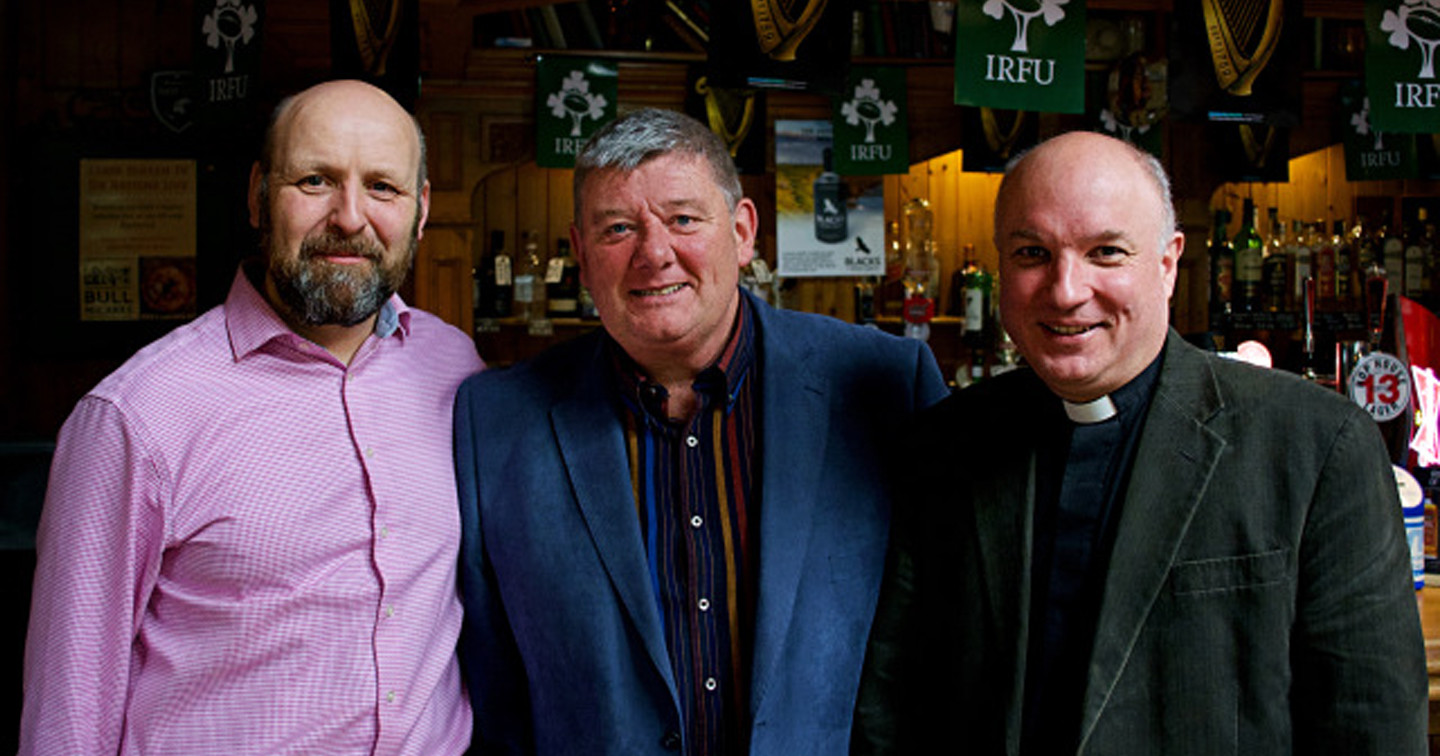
(137,239)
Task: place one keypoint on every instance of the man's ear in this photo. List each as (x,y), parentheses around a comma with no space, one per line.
(424,199)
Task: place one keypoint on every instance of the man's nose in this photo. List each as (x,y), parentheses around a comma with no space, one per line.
(347,214)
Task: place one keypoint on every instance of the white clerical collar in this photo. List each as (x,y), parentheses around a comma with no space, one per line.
(1093,411)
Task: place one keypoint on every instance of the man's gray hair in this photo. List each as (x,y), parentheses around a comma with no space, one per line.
(643,135)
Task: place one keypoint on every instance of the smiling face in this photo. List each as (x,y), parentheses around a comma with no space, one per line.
(1087,264)
(339,209)
(661,253)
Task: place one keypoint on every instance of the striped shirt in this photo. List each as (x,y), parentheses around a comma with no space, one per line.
(249,547)
(695,485)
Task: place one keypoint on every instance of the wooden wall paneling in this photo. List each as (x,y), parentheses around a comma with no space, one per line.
(945,200)
(442,275)
(653,83)
(61,52)
(560,205)
(445,145)
(498,193)
(532,214)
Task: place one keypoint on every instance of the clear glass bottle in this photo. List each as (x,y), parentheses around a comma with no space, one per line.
(530,279)
(922,270)
(1297,251)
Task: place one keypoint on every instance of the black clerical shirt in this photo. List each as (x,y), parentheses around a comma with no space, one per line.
(1079,484)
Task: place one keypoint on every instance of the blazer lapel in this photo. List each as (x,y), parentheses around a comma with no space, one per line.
(794,425)
(592,445)
(1002,505)
(1174,461)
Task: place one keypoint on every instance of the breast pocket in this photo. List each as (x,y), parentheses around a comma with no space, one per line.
(1230,574)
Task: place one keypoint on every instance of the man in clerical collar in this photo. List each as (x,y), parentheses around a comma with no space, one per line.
(1134,546)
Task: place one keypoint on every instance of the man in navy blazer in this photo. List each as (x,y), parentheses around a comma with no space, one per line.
(674,528)
(1149,549)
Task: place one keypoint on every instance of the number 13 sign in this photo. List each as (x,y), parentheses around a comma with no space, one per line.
(1380,384)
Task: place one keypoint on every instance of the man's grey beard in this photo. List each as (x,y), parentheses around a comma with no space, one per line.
(317,292)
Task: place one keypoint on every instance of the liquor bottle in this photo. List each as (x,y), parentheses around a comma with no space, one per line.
(1222,268)
(890,297)
(831,223)
(1249,263)
(922,270)
(979,326)
(1416,257)
(494,287)
(587,305)
(1297,250)
(1377,285)
(1347,276)
(1392,251)
(1324,252)
(1275,265)
(977,296)
(956,307)
(530,279)
(865,300)
(562,283)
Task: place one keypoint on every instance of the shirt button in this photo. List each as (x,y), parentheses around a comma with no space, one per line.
(696,521)
(704,604)
(710,683)
(370,452)
(390,611)
(692,441)
(384,532)
(390,697)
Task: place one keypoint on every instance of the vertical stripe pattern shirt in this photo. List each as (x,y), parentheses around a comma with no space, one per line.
(695,487)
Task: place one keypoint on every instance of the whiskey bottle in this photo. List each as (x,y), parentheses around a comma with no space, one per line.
(1222,269)
(494,286)
(1275,265)
(1249,263)
(562,283)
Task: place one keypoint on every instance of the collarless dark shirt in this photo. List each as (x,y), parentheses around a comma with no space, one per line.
(1080,482)
(696,497)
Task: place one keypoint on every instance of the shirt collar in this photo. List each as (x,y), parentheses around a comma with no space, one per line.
(719,382)
(252,322)
(1123,401)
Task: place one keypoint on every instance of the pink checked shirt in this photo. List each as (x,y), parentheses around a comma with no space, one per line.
(249,548)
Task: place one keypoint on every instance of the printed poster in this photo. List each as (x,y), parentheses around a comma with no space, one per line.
(137,239)
(826,225)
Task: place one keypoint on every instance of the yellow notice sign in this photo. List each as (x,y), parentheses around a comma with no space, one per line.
(137,239)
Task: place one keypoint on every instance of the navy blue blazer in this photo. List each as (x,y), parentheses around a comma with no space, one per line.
(562,647)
